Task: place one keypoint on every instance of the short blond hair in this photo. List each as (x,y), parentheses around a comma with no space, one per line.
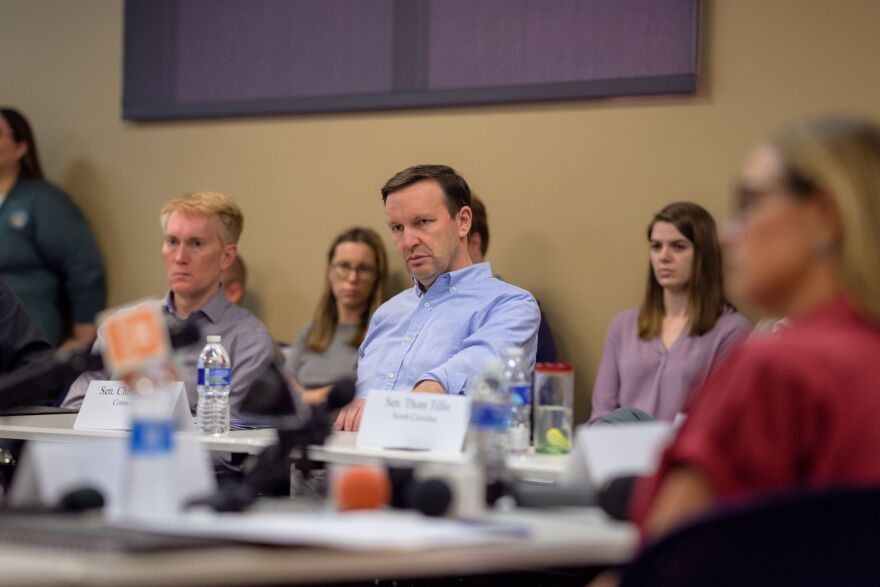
(841,156)
(209,204)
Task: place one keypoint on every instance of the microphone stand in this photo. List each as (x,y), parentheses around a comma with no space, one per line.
(304,426)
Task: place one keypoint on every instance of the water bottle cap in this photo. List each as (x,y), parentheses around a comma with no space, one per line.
(213,338)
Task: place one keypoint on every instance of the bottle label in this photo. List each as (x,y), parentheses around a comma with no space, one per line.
(521,395)
(490,415)
(151,437)
(201,377)
(215,376)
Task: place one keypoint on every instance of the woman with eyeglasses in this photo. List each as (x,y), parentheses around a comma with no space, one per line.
(800,408)
(657,354)
(48,255)
(326,350)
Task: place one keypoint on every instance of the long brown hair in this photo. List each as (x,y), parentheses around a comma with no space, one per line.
(327,315)
(706,301)
(21,133)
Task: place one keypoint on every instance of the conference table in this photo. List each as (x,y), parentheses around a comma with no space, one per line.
(573,538)
(340,447)
(559,541)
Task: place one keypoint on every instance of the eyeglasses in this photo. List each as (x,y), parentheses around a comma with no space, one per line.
(342,270)
(748,198)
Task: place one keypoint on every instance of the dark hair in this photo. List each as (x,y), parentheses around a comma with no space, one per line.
(480,223)
(455,188)
(327,315)
(706,300)
(21,133)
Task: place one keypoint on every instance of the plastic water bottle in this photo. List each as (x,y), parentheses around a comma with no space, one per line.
(149,486)
(519,389)
(488,436)
(215,376)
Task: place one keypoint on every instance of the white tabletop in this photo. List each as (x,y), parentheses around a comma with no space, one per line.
(568,538)
(340,447)
(60,427)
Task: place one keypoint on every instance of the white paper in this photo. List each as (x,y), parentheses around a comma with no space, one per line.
(414,421)
(619,450)
(50,469)
(106,406)
(366,530)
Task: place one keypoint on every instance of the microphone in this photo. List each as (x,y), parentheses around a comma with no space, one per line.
(340,395)
(81,500)
(271,400)
(42,381)
(362,488)
(75,501)
(269,397)
(529,495)
(184,333)
(432,497)
(613,497)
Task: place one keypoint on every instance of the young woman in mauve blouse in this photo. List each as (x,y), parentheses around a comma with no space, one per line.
(655,356)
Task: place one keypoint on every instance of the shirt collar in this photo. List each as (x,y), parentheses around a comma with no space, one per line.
(453,279)
(213,309)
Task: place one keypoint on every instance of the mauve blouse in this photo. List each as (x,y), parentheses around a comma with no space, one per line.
(643,374)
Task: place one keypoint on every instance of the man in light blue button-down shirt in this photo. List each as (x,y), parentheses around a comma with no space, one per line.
(436,336)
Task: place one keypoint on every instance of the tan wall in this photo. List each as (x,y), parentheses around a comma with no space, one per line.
(569,187)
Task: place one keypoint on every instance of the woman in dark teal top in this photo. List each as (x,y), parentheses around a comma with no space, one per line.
(48,255)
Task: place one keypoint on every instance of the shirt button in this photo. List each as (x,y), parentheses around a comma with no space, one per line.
(390,376)
(407,339)
(452,289)
(427,304)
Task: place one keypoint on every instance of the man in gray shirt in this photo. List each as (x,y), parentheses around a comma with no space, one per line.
(201,240)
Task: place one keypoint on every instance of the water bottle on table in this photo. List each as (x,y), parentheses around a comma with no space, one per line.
(488,435)
(519,389)
(215,376)
(149,486)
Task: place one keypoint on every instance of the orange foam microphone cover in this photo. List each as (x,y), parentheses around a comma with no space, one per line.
(363,488)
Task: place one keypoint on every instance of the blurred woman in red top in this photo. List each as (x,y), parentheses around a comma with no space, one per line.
(800,408)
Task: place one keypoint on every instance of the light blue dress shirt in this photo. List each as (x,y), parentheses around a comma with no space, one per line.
(448,333)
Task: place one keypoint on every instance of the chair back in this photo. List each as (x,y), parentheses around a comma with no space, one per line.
(828,537)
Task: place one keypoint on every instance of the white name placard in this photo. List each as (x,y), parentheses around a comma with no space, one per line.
(624,449)
(414,421)
(107,406)
(50,469)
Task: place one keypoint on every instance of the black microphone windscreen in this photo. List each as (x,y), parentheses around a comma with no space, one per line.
(401,486)
(615,496)
(82,499)
(432,497)
(269,395)
(184,333)
(340,394)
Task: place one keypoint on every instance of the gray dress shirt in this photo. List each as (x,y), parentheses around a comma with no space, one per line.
(244,337)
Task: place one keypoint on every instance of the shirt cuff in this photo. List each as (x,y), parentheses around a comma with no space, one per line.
(454,382)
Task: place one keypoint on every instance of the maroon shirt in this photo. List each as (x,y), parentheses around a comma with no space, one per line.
(800,408)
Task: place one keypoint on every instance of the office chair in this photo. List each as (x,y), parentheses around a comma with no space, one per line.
(828,537)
